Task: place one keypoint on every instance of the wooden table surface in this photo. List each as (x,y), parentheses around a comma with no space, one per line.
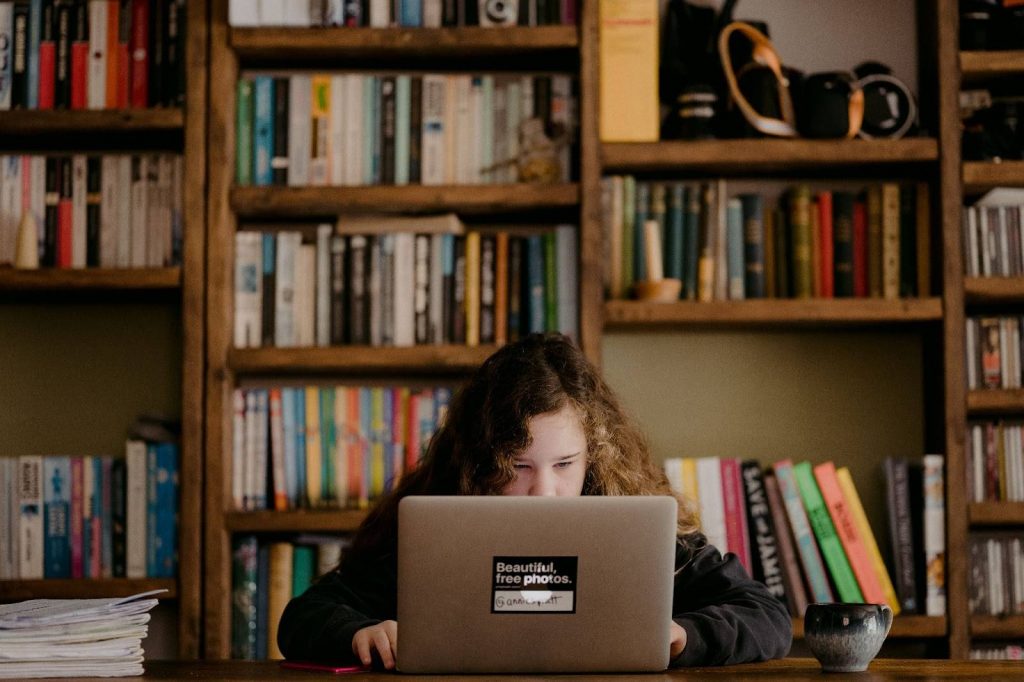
(789,669)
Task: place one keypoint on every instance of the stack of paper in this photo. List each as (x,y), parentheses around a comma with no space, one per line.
(74,637)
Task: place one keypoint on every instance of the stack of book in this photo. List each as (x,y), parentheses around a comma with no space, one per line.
(997,574)
(993,243)
(802,530)
(993,352)
(74,637)
(995,461)
(839,242)
(1010,652)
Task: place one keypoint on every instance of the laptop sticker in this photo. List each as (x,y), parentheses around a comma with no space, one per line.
(534,584)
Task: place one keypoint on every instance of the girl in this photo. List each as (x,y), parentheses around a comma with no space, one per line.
(535,419)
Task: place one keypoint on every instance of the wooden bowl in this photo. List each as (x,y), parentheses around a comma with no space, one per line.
(662,291)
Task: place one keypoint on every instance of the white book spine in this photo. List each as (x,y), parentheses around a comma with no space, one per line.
(320,133)
(30,530)
(244,12)
(380,14)
(238,449)
(272,12)
(465,130)
(404,288)
(323,284)
(499,131)
(139,212)
(451,133)
(432,14)
(403,111)
(123,211)
(567,258)
(353,129)
(934,535)
(154,217)
(978,461)
(284,282)
(300,100)
(712,507)
(337,128)
(435,290)
(79,196)
(432,135)
(6,53)
(248,289)
(421,302)
(96,93)
(252,434)
(135,508)
(10,206)
(296,13)
(108,211)
(6,493)
(37,191)
(305,296)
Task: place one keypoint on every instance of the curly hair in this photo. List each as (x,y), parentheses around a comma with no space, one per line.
(487,425)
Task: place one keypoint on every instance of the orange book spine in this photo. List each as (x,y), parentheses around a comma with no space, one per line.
(848,533)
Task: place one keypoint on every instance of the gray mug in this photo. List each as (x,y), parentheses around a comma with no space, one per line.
(846,637)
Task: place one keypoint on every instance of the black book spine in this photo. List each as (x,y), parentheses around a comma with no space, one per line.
(766,563)
(470,12)
(488,247)
(915,499)
(49,258)
(62,74)
(901,533)
(354,13)
(515,287)
(339,293)
(842,231)
(448,290)
(79,71)
(458,333)
(269,285)
(157,51)
(118,510)
(450,13)
(387,131)
(908,240)
(93,184)
(542,101)
(173,52)
(359,323)
(279,161)
(19,55)
(415,129)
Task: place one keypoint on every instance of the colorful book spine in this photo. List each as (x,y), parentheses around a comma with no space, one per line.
(814,569)
(861,520)
(792,578)
(735,512)
(764,559)
(935,537)
(56,502)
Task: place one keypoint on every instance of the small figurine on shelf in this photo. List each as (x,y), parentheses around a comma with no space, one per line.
(26,255)
(656,287)
(538,158)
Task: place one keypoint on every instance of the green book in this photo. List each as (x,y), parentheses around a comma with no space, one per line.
(628,241)
(800,232)
(691,240)
(550,283)
(641,212)
(674,232)
(243,133)
(303,568)
(825,531)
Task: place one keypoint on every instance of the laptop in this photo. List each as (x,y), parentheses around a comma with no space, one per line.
(496,584)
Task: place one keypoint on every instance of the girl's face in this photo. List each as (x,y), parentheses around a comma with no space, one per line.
(555,464)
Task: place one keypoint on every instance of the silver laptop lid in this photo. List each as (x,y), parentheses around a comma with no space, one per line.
(532,584)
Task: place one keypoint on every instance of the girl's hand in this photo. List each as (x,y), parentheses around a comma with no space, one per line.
(678,642)
(382,637)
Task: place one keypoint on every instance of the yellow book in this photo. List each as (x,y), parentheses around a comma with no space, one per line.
(377,436)
(473,289)
(890,240)
(690,489)
(314,486)
(320,133)
(628,70)
(861,521)
(279,592)
(341,441)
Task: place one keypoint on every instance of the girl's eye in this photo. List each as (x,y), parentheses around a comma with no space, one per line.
(563,465)
(519,466)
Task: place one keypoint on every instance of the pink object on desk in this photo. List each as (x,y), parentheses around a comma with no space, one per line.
(325,667)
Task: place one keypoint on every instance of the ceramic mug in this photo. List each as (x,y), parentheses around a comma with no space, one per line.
(846,637)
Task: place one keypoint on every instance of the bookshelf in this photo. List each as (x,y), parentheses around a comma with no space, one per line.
(178,290)
(965,181)
(233,50)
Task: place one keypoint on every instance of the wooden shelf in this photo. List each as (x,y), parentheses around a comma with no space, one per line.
(979,176)
(300,521)
(321,201)
(996,514)
(995,401)
(759,155)
(427,360)
(994,289)
(322,43)
(902,627)
(808,312)
(89,279)
(16,122)
(977,65)
(81,588)
(998,627)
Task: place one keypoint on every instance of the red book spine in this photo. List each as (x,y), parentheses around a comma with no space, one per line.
(735,511)
(96,544)
(79,67)
(75,532)
(116,76)
(860,249)
(47,71)
(139,51)
(825,243)
(412,433)
(65,215)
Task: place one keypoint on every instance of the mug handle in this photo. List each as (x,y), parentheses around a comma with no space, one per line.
(887,614)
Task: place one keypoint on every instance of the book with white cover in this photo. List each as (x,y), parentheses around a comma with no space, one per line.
(30,530)
(248,289)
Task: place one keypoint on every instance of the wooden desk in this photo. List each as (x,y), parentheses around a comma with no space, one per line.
(789,669)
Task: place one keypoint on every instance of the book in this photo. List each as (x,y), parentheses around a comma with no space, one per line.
(897,495)
(935,536)
(814,569)
(628,58)
(766,562)
(796,594)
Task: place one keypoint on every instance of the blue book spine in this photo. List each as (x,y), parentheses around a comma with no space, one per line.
(753,244)
(167,509)
(288,436)
(328,485)
(674,251)
(389,448)
(535,282)
(35,28)
(411,13)
(365,436)
(403,113)
(301,498)
(56,510)
(151,511)
(96,522)
(814,569)
(442,396)
(641,205)
(263,130)
(106,514)
(735,265)
(370,127)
